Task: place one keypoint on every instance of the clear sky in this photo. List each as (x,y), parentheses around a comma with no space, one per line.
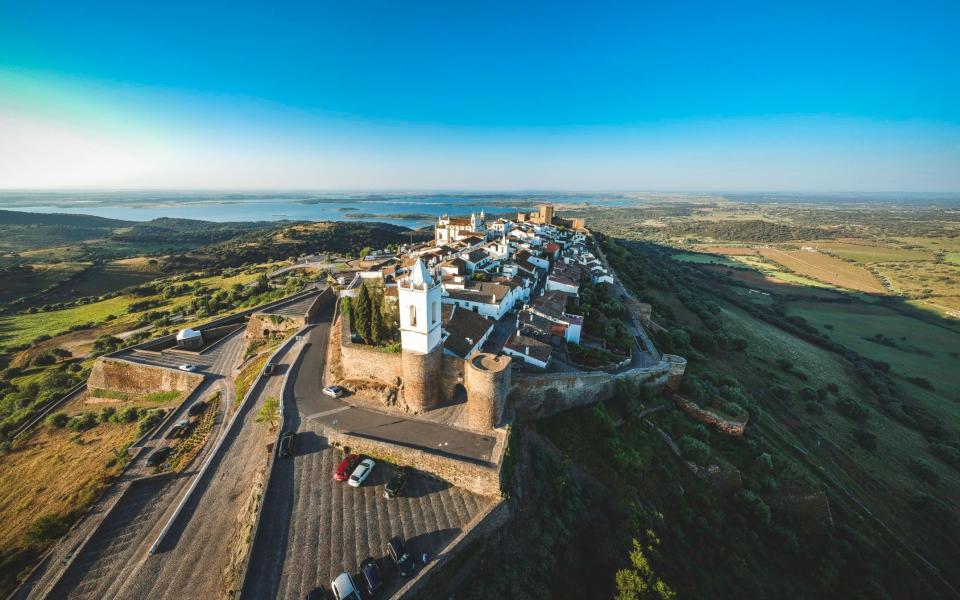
(799,96)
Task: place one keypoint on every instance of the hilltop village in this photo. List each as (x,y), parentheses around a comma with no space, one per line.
(491,309)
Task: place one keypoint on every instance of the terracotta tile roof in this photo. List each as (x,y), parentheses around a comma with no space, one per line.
(465,328)
(522,344)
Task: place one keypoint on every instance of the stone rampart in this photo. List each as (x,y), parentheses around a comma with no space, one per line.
(729,425)
(539,396)
(480,478)
(135,378)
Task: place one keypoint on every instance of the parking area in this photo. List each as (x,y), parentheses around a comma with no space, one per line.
(220,360)
(315,527)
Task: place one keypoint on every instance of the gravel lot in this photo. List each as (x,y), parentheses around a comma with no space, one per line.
(315,527)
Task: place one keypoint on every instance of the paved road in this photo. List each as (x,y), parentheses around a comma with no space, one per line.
(109,558)
(314,528)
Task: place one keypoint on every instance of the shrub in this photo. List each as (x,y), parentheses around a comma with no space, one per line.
(43,359)
(47,528)
(106,414)
(813,408)
(148,420)
(57,419)
(865,439)
(82,422)
(852,409)
(923,471)
(694,449)
(125,415)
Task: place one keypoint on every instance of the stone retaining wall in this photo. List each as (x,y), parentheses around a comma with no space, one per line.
(727,425)
(135,378)
(481,479)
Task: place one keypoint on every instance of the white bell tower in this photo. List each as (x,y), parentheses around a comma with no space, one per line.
(419,299)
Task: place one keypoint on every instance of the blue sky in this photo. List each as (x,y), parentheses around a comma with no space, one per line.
(481,95)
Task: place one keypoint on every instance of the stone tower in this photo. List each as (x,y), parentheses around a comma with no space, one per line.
(420,337)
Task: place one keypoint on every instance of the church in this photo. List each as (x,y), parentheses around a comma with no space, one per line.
(451,229)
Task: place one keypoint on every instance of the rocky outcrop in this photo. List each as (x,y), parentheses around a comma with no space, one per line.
(729,425)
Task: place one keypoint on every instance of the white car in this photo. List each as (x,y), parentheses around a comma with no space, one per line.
(334,391)
(188,367)
(344,588)
(362,471)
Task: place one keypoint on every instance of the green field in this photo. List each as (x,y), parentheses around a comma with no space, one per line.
(705,259)
(913,348)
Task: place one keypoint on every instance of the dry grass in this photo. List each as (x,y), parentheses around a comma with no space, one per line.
(826,268)
(55,472)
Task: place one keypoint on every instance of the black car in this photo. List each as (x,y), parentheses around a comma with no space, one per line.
(371,575)
(316,593)
(270,369)
(196,408)
(158,456)
(397,482)
(400,556)
(285,445)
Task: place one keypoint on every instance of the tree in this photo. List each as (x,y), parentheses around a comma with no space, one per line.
(640,582)
(377,332)
(362,310)
(269,412)
(365,252)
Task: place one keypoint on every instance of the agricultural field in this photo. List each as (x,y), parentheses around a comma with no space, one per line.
(866,252)
(823,267)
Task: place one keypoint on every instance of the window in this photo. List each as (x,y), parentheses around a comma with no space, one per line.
(413,316)
(436,312)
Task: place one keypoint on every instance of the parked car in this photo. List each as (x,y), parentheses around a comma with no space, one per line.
(316,593)
(344,588)
(196,408)
(159,455)
(346,466)
(334,391)
(398,553)
(361,473)
(188,367)
(179,429)
(397,482)
(371,575)
(285,445)
(270,369)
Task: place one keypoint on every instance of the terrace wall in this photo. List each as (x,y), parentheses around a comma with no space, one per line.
(478,477)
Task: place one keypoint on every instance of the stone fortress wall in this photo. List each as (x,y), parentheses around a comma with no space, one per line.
(136,378)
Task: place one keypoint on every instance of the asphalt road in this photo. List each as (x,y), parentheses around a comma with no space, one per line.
(115,558)
(313,406)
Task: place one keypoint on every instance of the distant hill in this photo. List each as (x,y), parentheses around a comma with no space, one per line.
(15,217)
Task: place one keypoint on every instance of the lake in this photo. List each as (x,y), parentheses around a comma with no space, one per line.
(410,210)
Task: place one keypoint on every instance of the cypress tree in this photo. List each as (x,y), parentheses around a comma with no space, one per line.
(362,314)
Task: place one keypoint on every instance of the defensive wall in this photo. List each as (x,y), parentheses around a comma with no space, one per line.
(136,378)
(543,395)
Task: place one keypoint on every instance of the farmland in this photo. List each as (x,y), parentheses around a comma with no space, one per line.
(822,267)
